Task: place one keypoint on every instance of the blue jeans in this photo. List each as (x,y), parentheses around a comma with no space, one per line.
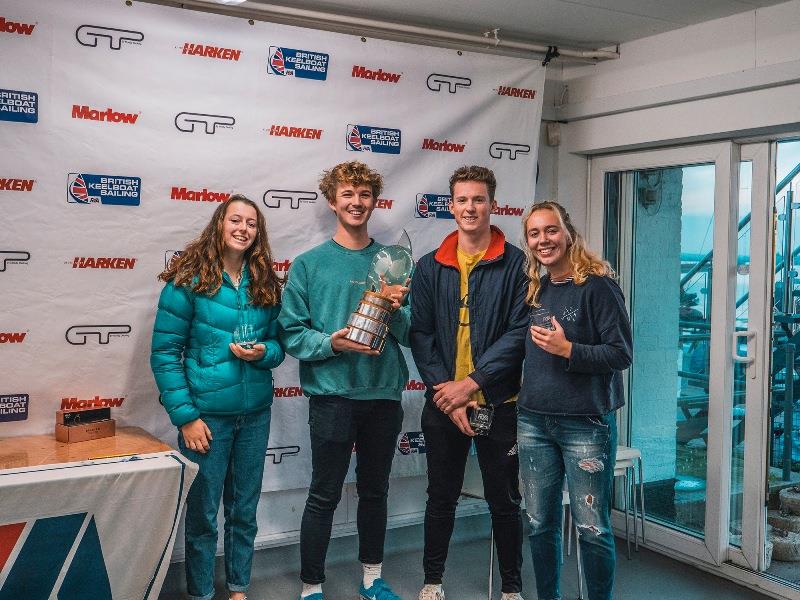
(231,469)
(582,448)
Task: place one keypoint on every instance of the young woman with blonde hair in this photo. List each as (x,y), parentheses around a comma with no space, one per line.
(217,392)
(579,342)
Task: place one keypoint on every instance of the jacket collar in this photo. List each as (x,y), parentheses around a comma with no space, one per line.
(446,254)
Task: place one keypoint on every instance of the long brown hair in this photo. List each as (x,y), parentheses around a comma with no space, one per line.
(202,259)
(583,262)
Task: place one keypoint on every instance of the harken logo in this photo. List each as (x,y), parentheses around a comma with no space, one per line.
(438,82)
(278,453)
(109,115)
(442,146)
(90,35)
(186,121)
(16,185)
(384,203)
(7,26)
(79,335)
(75,403)
(101,262)
(433,206)
(273,198)
(516,92)
(501,149)
(211,51)
(366,138)
(379,75)
(19,107)
(13,407)
(303,64)
(411,442)
(307,133)
(13,337)
(292,391)
(13,257)
(203,195)
(86,188)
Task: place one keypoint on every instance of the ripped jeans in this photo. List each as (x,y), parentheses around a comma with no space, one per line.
(582,448)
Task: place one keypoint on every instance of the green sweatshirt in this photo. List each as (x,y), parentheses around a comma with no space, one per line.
(324,287)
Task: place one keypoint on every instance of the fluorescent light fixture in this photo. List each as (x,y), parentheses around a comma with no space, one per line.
(229,2)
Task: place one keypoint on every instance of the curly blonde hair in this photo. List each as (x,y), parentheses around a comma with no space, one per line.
(583,262)
(354,173)
(202,259)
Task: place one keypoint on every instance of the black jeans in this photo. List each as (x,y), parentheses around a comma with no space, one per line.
(336,423)
(446,452)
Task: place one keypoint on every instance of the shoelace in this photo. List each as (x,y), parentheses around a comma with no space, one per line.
(382,591)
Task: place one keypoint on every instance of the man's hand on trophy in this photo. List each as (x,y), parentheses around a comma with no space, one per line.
(339,343)
(396,293)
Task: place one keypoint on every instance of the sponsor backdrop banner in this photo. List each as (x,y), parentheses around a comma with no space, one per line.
(123,127)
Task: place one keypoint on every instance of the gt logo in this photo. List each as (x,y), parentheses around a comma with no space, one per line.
(453,82)
(13,257)
(186,121)
(88,35)
(78,335)
(498,149)
(272,198)
(277,453)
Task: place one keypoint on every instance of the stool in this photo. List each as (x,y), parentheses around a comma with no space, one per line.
(627,460)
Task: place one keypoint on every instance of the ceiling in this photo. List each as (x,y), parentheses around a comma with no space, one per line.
(580,23)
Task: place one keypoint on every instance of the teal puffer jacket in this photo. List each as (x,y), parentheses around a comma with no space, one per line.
(195,370)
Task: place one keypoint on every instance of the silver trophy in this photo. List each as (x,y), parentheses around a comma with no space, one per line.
(390,269)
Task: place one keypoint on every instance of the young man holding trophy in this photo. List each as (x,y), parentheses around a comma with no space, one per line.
(468,320)
(354,387)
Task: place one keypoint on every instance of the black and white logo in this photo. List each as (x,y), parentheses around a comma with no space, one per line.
(79,335)
(186,122)
(273,198)
(501,149)
(437,81)
(89,35)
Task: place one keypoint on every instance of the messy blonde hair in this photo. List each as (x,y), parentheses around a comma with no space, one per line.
(583,262)
(200,264)
(354,173)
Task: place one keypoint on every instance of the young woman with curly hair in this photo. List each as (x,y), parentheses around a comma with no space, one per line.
(578,343)
(218,393)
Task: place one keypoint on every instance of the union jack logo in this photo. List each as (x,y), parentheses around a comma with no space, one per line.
(276,62)
(78,191)
(354,139)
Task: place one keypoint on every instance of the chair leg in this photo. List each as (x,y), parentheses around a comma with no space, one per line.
(491,563)
(579,561)
(641,496)
(569,532)
(635,512)
(627,531)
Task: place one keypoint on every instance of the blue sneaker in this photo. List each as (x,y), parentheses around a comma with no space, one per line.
(316,596)
(379,591)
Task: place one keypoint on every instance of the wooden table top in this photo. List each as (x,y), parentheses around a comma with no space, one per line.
(35,450)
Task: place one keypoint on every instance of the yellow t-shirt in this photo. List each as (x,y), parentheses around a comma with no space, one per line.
(464,365)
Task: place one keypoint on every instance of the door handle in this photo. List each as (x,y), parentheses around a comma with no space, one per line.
(745,360)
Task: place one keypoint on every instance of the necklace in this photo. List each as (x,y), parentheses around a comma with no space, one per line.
(237,278)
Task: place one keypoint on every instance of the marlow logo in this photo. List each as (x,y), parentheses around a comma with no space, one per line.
(79,335)
(92,262)
(512,211)
(19,107)
(365,138)
(273,198)
(186,121)
(433,206)
(515,92)
(90,35)
(437,82)
(307,133)
(211,51)
(443,146)
(415,386)
(13,407)
(501,149)
(304,64)
(75,403)
(281,266)
(16,185)
(7,26)
(71,567)
(13,257)
(288,392)
(12,338)
(108,115)
(411,442)
(86,188)
(379,75)
(278,453)
(198,195)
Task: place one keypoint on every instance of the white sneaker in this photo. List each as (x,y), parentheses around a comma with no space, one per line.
(431,592)
(511,596)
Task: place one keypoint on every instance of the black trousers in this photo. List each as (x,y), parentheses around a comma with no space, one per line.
(446,452)
(336,423)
